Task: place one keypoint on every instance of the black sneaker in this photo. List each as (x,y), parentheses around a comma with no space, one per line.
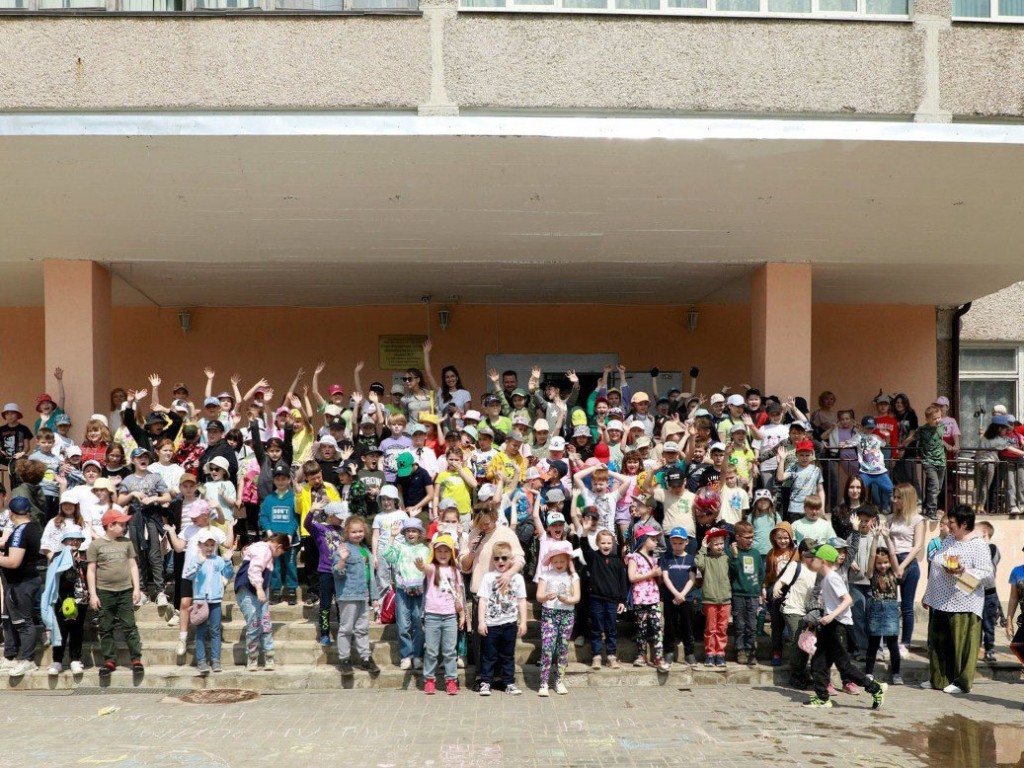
(107,668)
(275,598)
(137,668)
(990,657)
(369,665)
(311,600)
(346,668)
(292,599)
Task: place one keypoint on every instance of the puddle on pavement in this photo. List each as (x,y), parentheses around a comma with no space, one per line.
(955,741)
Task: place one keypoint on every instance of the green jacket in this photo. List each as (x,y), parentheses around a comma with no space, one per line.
(402,555)
(746,572)
(717,589)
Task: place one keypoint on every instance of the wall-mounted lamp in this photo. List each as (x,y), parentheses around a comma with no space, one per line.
(691,319)
(443,316)
(185,320)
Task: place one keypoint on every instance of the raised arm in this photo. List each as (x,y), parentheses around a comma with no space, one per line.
(357,383)
(154,387)
(427,346)
(210,373)
(316,384)
(294,385)
(58,374)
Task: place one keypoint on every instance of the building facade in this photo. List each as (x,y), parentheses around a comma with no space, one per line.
(571,178)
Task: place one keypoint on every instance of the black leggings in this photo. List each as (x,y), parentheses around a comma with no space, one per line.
(892,644)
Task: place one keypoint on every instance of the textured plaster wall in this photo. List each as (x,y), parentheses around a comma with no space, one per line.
(979,70)
(551,61)
(213,63)
(996,317)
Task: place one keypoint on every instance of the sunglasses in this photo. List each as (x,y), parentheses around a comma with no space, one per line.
(500,558)
(407,378)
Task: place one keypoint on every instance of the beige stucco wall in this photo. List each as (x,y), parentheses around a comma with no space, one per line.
(996,317)
(692,64)
(975,78)
(213,63)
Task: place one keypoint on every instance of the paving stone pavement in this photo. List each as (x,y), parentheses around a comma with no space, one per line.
(734,726)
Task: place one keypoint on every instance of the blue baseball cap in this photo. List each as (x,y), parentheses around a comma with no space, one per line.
(19,505)
(1000,420)
(678,533)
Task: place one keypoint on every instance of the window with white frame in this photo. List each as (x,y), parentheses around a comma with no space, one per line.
(831,9)
(988,10)
(989,376)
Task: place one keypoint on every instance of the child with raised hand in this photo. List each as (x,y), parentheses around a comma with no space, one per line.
(206,569)
(250,593)
(444,614)
(391,511)
(558,591)
(805,478)
(713,566)
(355,589)
(645,575)
(764,519)
(609,587)
(832,629)
(325,527)
(599,494)
(502,620)
(402,553)
(883,607)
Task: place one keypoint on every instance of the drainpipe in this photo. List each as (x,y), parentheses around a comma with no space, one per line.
(954,405)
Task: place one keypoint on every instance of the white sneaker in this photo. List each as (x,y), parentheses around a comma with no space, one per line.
(904,652)
(579,641)
(161,600)
(7,665)
(948,689)
(543,691)
(927,685)
(27,665)
(55,669)
(77,667)
(175,620)
(417,663)
(405,664)
(560,688)
(181,649)
(143,600)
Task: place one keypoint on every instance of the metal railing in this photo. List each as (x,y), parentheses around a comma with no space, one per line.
(996,487)
(881,10)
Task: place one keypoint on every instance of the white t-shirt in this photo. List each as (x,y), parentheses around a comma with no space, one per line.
(169,473)
(51,538)
(903,533)
(559,584)
(502,606)
(606,503)
(735,501)
(87,505)
(189,533)
(383,522)
(799,592)
(833,590)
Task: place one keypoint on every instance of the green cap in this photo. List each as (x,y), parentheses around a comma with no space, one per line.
(520,392)
(403,464)
(827,553)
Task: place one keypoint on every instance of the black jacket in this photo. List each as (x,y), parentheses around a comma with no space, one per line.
(608,577)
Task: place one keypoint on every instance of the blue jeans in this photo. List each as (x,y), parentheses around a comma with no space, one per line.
(213,627)
(285,563)
(258,629)
(879,488)
(908,588)
(859,593)
(409,618)
(441,634)
(603,615)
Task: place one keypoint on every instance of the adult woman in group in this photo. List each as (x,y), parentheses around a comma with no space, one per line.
(904,470)
(908,532)
(451,398)
(417,400)
(844,516)
(954,632)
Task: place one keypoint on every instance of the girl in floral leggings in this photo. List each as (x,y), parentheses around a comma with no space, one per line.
(644,575)
(558,591)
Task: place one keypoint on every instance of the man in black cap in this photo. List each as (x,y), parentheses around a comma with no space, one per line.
(160,423)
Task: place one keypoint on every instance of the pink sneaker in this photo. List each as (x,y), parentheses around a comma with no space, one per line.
(831,690)
(430,687)
(451,687)
(851,688)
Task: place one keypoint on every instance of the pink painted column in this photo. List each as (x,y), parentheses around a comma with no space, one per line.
(77,307)
(780,327)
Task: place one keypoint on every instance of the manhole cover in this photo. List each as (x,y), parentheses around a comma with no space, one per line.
(222,696)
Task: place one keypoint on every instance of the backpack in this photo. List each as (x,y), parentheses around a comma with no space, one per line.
(387,607)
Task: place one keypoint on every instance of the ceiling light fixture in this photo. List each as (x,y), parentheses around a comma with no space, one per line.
(185,320)
(691,318)
(443,316)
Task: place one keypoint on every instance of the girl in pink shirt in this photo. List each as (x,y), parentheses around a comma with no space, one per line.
(444,613)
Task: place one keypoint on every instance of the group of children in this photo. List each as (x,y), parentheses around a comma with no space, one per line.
(672,519)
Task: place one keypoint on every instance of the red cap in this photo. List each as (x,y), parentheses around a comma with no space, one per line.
(602,453)
(336,389)
(805,445)
(44,398)
(113,516)
(714,533)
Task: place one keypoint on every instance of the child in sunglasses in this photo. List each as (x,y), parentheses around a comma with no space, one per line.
(502,620)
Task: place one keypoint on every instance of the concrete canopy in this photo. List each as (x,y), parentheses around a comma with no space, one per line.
(352,218)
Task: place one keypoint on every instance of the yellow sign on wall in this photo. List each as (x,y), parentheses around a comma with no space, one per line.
(396,353)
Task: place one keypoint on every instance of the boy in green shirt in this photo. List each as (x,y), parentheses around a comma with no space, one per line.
(932,449)
(746,575)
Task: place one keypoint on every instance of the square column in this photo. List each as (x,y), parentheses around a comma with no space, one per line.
(77,308)
(780,329)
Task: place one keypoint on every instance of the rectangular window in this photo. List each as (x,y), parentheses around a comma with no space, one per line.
(988,360)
